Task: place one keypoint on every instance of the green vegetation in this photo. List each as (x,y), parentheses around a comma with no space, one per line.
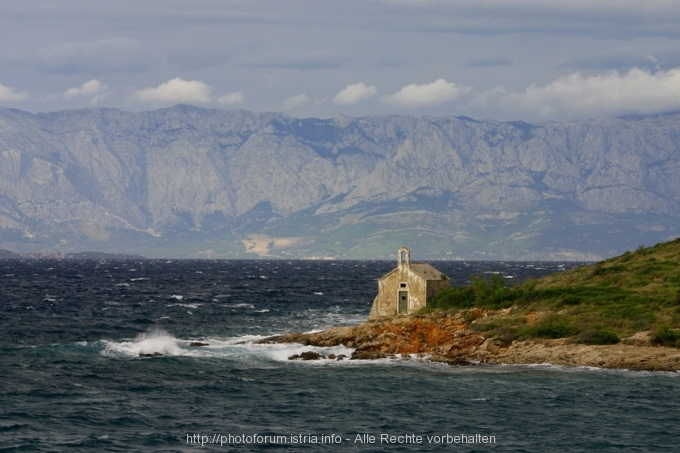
(596,304)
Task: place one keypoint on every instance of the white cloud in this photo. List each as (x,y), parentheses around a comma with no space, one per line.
(354,94)
(9,94)
(232,98)
(177,91)
(437,92)
(295,101)
(93,88)
(638,91)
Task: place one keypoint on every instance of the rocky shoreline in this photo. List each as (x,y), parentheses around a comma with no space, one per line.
(448,337)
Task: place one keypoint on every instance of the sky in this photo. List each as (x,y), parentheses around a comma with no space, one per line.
(530,60)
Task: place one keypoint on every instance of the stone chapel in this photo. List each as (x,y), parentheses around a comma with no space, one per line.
(407,288)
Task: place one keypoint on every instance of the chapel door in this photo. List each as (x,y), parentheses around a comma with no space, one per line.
(403,301)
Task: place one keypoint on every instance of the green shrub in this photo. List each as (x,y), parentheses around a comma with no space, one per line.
(554,327)
(570,300)
(666,336)
(454,297)
(598,336)
(505,335)
(676,299)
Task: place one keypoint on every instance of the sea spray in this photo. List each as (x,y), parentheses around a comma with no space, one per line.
(156,341)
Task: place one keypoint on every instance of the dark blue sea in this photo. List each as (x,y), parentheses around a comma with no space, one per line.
(72,379)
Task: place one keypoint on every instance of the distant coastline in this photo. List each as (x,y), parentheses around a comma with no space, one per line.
(6,254)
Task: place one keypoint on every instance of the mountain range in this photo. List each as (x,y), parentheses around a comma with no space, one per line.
(187,182)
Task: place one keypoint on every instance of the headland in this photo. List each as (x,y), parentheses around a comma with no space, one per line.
(621,313)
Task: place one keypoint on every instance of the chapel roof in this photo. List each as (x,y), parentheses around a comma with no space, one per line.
(423,270)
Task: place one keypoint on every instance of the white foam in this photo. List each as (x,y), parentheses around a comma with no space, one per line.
(185,305)
(239,305)
(243,348)
(176,296)
(157,341)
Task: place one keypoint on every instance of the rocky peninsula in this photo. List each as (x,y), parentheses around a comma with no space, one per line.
(446,337)
(620,313)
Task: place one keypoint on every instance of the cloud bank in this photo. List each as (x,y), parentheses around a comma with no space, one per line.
(9,94)
(96,57)
(296,101)
(177,91)
(355,93)
(94,89)
(638,91)
(416,96)
(232,98)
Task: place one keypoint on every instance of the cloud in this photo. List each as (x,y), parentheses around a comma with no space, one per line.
(9,94)
(296,101)
(355,93)
(489,62)
(199,57)
(437,92)
(177,91)
(102,56)
(638,91)
(93,88)
(232,98)
(305,62)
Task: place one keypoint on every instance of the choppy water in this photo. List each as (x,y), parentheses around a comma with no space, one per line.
(71,378)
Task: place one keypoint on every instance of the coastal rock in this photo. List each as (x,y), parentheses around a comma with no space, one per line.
(447,338)
(198,344)
(307,355)
(367,355)
(154,354)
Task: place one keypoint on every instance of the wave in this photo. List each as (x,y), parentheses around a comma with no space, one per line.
(239,305)
(185,305)
(244,348)
(154,342)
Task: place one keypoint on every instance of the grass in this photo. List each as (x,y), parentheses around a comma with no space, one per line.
(596,304)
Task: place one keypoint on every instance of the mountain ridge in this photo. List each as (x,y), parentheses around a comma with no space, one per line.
(184,180)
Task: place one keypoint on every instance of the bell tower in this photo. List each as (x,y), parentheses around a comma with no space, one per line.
(403,258)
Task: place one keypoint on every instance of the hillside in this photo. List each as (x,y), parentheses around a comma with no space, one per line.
(596,304)
(191,182)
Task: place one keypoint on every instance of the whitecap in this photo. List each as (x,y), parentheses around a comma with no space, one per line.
(185,305)
(154,342)
(176,296)
(319,294)
(122,284)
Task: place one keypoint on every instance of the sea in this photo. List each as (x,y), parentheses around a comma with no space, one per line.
(97,356)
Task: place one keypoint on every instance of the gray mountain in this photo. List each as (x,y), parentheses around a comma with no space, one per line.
(191,182)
